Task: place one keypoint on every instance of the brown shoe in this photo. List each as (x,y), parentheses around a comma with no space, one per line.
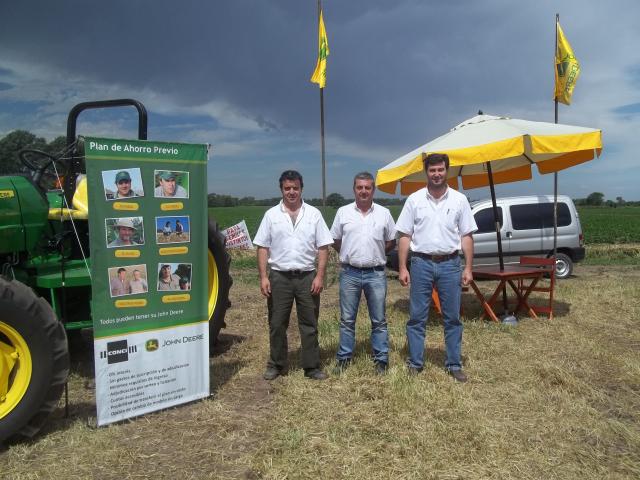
(458,375)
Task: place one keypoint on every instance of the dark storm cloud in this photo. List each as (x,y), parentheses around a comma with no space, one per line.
(236,72)
(395,68)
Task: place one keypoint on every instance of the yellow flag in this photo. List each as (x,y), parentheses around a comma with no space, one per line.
(320,73)
(567,69)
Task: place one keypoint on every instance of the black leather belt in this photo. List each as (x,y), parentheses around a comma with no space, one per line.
(436,258)
(293,273)
(377,268)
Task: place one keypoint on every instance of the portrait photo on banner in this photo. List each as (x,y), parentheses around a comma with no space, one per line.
(171,184)
(174,277)
(122,184)
(128,280)
(124,231)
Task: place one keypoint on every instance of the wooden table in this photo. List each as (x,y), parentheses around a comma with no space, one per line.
(508,275)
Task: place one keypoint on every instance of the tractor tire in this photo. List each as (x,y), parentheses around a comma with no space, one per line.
(219,281)
(34,355)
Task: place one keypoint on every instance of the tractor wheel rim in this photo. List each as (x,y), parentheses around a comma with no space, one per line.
(214,284)
(15,359)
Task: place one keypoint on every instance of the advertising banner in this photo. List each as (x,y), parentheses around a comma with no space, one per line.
(148,235)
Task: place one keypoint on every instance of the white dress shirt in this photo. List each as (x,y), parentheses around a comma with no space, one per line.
(436,226)
(292,246)
(363,236)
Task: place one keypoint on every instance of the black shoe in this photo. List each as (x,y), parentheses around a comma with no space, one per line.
(458,375)
(381,368)
(271,373)
(341,366)
(315,374)
(413,371)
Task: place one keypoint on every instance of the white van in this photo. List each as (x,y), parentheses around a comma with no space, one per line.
(527,229)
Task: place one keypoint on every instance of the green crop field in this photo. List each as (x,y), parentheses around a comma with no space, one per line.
(610,225)
(600,224)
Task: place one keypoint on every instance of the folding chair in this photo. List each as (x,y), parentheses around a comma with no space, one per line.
(545,285)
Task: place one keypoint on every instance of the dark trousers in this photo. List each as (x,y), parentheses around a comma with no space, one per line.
(285,288)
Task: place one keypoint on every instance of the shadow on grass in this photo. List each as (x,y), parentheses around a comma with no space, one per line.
(221,373)
(472,309)
(224,343)
(222,370)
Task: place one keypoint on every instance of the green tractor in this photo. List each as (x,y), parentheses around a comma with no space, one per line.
(45,284)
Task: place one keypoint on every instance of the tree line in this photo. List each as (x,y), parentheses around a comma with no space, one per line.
(333,200)
(15,141)
(596,199)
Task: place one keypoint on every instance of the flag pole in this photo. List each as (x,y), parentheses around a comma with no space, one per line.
(555,174)
(324,178)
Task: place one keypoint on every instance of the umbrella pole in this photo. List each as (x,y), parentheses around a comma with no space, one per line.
(497,223)
(555,174)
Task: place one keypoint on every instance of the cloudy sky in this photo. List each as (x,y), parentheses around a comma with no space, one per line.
(235,74)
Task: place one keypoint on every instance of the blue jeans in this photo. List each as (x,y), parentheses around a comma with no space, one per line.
(446,276)
(353,282)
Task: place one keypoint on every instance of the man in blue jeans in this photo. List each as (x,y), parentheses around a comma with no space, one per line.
(435,223)
(363,232)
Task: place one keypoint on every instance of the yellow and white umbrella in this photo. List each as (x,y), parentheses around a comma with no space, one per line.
(510,145)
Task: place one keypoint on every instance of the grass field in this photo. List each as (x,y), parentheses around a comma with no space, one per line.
(610,225)
(547,399)
(601,225)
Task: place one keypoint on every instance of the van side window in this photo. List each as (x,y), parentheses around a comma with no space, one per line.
(484,220)
(530,216)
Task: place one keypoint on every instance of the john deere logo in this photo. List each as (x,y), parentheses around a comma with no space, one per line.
(151,345)
(118,351)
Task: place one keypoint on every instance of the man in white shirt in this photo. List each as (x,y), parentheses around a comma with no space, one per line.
(290,237)
(363,232)
(435,223)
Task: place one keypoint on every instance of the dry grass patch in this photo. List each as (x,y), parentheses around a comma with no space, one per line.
(546,399)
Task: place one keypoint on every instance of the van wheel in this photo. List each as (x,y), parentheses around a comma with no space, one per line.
(564,266)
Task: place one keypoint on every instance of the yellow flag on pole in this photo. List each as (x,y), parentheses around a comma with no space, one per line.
(320,73)
(567,68)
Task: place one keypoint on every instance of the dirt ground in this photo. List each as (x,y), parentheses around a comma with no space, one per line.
(214,438)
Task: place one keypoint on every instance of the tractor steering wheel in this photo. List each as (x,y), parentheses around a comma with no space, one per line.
(40,162)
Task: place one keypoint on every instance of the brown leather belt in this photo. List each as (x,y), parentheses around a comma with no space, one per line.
(436,258)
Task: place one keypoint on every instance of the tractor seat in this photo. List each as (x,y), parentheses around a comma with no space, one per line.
(80,203)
